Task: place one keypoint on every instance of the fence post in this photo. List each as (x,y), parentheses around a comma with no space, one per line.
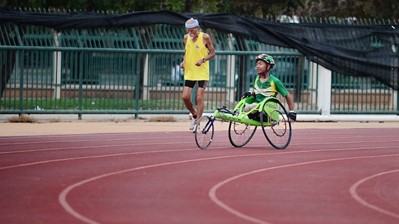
(80,73)
(57,67)
(19,73)
(324,90)
(396,104)
(146,94)
(230,78)
(313,74)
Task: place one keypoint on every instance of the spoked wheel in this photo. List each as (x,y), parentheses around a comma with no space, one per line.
(204,132)
(240,134)
(275,124)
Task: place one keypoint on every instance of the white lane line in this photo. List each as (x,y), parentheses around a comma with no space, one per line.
(81,140)
(162,151)
(356,196)
(62,198)
(87,147)
(213,191)
(63,195)
(173,150)
(172,143)
(90,157)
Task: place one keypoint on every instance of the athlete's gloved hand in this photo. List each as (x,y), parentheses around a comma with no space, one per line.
(292,115)
(247,94)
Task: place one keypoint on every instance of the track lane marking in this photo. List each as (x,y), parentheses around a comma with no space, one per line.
(85,147)
(81,140)
(173,143)
(63,195)
(62,198)
(356,196)
(213,191)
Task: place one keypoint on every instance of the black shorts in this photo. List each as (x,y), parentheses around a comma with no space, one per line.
(191,83)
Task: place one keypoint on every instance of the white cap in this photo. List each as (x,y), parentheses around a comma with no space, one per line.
(192,25)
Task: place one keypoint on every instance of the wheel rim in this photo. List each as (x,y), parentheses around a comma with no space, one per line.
(278,130)
(204,132)
(240,134)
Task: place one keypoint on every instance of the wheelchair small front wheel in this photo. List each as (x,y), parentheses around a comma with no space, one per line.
(275,124)
(204,131)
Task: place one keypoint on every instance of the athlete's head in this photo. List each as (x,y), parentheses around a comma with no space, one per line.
(266,58)
(191,23)
(192,26)
(264,63)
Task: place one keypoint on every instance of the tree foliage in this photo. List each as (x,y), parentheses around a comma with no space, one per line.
(388,9)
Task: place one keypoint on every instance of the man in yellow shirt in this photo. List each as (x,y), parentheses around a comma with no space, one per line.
(198,51)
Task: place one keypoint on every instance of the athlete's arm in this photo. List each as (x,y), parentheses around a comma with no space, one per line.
(290,102)
(209,44)
(183,63)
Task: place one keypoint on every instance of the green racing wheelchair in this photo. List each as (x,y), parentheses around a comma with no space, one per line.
(270,115)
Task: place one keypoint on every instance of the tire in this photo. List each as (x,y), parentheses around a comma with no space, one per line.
(204,132)
(240,134)
(276,126)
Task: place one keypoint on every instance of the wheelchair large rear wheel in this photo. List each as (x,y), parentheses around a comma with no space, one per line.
(240,134)
(276,126)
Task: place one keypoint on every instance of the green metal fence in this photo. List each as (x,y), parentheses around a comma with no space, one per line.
(133,71)
(361,95)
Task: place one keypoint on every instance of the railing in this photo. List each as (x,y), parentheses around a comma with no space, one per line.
(113,81)
(361,95)
(133,71)
(142,82)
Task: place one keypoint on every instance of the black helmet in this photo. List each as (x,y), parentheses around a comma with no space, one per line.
(266,58)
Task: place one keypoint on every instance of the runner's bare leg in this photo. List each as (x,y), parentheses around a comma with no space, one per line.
(187,100)
(200,102)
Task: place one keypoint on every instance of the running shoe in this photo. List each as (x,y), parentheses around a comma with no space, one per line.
(193,122)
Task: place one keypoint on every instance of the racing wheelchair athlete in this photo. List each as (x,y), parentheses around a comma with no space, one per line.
(258,107)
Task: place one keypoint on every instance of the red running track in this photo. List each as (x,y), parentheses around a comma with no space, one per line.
(324,176)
